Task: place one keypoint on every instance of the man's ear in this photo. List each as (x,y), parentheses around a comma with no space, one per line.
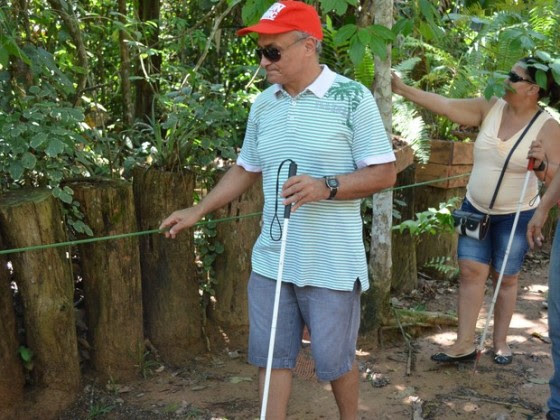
(310,45)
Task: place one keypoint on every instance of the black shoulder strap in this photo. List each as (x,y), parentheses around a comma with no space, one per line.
(509,156)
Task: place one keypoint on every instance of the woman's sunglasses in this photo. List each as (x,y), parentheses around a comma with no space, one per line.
(515,78)
(273,54)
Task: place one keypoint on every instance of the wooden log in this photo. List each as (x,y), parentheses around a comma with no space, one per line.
(11,372)
(403,249)
(422,318)
(44,278)
(111,278)
(233,267)
(172,311)
(429,247)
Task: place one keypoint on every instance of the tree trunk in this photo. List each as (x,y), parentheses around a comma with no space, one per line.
(148,11)
(73,26)
(126,90)
(111,277)
(233,267)
(44,278)
(376,300)
(11,373)
(172,312)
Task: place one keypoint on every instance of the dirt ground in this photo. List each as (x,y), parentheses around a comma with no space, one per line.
(221,385)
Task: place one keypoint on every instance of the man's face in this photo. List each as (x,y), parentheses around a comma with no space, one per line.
(290,48)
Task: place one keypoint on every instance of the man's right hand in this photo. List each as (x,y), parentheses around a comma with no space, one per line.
(179,220)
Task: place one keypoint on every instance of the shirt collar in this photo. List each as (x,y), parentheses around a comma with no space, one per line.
(320,85)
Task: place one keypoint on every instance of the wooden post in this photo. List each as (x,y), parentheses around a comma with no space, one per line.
(172,311)
(233,267)
(112,278)
(405,275)
(44,277)
(11,373)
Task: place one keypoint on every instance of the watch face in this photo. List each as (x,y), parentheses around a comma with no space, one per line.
(332,182)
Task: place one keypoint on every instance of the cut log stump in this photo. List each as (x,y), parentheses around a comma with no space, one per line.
(233,267)
(112,278)
(44,278)
(11,373)
(172,311)
(403,246)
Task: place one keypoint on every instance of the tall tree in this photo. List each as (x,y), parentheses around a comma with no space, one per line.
(380,264)
(126,90)
(146,86)
(72,25)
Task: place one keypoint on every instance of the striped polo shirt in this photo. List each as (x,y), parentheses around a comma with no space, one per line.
(333,127)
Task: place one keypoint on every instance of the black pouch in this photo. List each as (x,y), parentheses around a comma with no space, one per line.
(473,225)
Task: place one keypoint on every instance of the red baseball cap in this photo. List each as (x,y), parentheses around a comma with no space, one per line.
(286,16)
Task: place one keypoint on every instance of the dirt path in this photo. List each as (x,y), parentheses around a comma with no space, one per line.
(223,385)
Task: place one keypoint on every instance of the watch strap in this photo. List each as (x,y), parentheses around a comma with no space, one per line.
(333,190)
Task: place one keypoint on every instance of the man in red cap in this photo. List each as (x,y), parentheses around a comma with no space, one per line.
(330,126)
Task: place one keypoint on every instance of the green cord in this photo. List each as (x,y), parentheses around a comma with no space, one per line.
(205,222)
(119,236)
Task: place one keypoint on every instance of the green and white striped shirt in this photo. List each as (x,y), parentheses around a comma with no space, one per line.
(333,127)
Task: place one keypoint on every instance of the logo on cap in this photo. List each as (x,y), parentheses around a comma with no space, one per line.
(273,11)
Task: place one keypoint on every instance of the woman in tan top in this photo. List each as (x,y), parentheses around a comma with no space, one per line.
(501,122)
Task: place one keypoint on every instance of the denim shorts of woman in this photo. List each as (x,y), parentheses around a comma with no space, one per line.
(492,249)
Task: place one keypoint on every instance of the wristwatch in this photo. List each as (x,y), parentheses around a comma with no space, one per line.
(332,185)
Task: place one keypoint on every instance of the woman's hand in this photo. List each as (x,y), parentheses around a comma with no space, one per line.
(536,151)
(397,85)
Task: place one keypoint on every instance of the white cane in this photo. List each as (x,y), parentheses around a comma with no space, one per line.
(504,263)
(287,211)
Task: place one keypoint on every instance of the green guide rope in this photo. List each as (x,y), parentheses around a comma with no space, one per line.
(205,222)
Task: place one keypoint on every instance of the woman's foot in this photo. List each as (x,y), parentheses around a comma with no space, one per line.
(442,357)
(502,355)
(455,353)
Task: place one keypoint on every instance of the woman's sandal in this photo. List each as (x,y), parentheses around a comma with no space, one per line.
(500,359)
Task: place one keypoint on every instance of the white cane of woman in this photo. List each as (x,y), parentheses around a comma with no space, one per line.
(504,263)
(287,211)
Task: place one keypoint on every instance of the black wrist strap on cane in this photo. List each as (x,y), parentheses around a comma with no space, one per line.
(510,154)
(275,218)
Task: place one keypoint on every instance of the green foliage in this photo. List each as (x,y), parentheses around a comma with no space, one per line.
(443,265)
(198,127)
(207,249)
(147,364)
(26,355)
(98,410)
(431,221)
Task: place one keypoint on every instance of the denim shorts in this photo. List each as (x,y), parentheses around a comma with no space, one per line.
(493,248)
(332,318)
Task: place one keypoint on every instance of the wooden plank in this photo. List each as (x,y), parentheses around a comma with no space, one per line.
(432,171)
(405,157)
(451,152)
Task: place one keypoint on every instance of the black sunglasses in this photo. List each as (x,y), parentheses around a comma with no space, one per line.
(515,78)
(272,53)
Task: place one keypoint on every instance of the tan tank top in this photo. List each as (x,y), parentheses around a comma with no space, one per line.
(490,153)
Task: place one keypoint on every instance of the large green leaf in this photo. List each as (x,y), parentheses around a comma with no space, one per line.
(54,148)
